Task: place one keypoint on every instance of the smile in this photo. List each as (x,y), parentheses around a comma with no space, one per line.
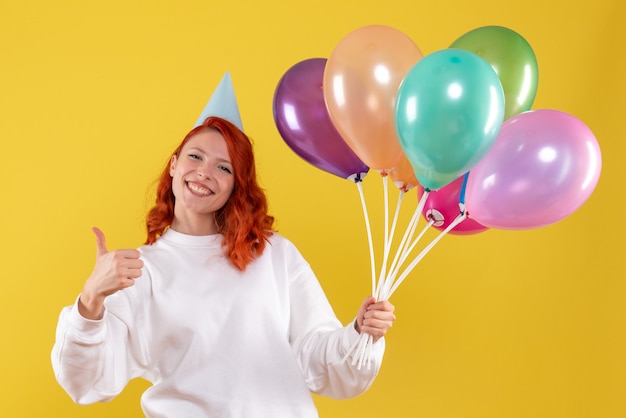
(199,189)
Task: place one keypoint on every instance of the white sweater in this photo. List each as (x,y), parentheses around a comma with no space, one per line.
(215,342)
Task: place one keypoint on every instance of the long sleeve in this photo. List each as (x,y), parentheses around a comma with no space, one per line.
(94,360)
(320,343)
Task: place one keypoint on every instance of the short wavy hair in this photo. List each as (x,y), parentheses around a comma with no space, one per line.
(244,220)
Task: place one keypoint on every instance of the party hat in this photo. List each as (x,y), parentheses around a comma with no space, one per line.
(222,104)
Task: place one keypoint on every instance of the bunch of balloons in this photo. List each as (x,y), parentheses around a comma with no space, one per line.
(456,123)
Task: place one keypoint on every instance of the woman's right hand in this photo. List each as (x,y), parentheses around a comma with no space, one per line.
(114,270)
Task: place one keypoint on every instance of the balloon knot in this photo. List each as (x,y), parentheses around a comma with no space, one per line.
(358,177)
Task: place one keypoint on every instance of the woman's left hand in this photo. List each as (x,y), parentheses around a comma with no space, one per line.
(375,318)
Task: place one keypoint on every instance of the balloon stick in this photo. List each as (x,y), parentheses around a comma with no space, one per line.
(462,216)
(401,194)
(401,252)
(369,235)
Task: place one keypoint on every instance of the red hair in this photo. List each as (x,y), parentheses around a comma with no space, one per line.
(244,220)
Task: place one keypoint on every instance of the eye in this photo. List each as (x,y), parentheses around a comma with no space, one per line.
(226,169)
(195,157)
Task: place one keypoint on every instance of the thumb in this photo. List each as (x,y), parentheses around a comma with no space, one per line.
(101,242)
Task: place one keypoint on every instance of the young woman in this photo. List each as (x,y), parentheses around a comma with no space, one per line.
(219,312)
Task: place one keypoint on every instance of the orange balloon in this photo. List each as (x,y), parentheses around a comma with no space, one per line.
(361,79)
(403,175)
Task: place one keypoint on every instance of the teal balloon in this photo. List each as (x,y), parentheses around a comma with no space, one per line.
(448,112)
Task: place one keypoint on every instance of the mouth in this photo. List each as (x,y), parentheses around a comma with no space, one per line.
(198,189)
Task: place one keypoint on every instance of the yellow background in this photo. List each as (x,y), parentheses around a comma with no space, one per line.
(94,95)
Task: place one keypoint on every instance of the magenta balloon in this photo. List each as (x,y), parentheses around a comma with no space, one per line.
(444,202)
(303,121)
(543,166)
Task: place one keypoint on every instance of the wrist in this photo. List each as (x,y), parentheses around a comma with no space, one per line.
(90,307)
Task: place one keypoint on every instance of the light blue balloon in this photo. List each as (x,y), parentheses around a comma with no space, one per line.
(448,112)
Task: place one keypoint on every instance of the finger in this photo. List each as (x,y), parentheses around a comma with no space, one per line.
(378,314)
(133,268)
(127,254)
(378,323)
(133,273)
(384,305)
(101,244)
(134,263)
(128,282)
(375,331)
(126,262)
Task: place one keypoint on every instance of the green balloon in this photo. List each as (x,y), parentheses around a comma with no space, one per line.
(513,60)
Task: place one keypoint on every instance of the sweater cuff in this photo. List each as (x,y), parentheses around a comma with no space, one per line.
(351,338)
(88,329)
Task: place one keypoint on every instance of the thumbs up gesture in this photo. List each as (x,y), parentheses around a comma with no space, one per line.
(114,270)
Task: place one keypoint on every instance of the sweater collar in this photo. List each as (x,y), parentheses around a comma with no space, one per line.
(178,238)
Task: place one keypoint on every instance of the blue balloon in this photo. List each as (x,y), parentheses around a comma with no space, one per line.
(448,112)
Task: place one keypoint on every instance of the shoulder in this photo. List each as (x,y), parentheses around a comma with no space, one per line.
(283,259)
(281,248)
(278,242)
(149,250)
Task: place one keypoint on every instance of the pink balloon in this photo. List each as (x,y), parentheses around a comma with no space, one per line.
(543,166)
(442,205)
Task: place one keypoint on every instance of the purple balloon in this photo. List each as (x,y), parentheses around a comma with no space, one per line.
(542,167)
(304,123)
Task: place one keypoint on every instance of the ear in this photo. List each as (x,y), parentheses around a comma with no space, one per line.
(173,161)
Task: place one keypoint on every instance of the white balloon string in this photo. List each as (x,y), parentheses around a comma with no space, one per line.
(386,238)
(383,275)
(351,349)
(404,239)
(386,205)
(388,242)
(369,352)
(360,349)
(410,248)
(425,251)
(362,352)
(369,235)
(392,276)
(359,346)
(395,217)
(366,350)
(401,252)
(420,207)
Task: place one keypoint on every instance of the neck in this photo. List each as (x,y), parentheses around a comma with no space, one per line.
(199,225)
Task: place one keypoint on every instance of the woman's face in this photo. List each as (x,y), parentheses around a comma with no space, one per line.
(202,181)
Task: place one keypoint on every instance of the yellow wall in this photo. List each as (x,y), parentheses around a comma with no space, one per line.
(93,95)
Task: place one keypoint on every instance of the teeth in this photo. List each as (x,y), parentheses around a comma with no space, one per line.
(196,188)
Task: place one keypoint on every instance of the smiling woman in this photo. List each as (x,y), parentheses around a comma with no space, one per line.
(202,182)
(196,191)
(220,313)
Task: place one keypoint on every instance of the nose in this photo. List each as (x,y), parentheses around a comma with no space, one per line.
(204,172)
